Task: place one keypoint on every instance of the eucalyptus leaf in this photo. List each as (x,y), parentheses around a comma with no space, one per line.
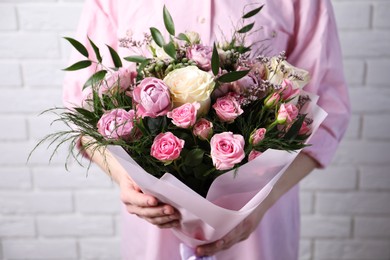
(183,37)
(233,76)
(170,49)
(115,57)
(95,78)
(78,46)
(96,50)
(157,37)
(194,157)
(253,12)
(215,61)
(79,65)
(246,28)
(168,21)
(136,59)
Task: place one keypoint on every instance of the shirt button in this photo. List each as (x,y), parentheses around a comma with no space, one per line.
(201,19)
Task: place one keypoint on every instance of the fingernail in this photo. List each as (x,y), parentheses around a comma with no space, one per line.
(152,202)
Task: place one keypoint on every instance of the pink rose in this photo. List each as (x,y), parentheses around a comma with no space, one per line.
(201,55)
(184,116)
(253,154)
(152,97)
(203,129)
(166,147)
(257,136)
(227,108)
(287,113)
(116,123)
(227,150)
(288,90)
(119,80)
(305,129)
(272,100)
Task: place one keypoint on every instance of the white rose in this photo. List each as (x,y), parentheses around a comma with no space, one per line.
(276,75)
(190,84)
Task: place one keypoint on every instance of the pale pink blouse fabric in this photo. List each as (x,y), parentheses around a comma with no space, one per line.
(305,29)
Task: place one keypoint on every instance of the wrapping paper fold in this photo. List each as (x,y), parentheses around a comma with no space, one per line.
(232,196)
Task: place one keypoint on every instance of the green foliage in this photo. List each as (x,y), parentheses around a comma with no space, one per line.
(78,46)
(253,12)
(168,21)
(246,28)
(170,49)
(115,57)
(79,65)
(95,78)
(157,37)
(215,61)
(136,59)
(232,76)
(183,37)
(96,50)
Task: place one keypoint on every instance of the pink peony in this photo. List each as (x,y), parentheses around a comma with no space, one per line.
(287,113)
(203,129)
(253,154)
(166,147)
(152,97)
(227,108)
(201,55)
(257,136)
(288,90)
(227,150)
(185,115)
(116,123)
(119,80)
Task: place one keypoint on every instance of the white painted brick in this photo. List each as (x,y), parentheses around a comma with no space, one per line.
(58,177)
(362,152)
(306,201)
(13,128)
(365,43)
(46,73)
(381,15)
(40,249)
(325,227)
(352,15)
(29,45)
(354,71)
(8,19)
(18,100)
(332,178)
(43,124)
(17,202)
(351,250)
(68,225)
(10,74)
(375,177)
(305,246)
(14,226)
(107,248)
(98,201)
(372,227)
(366,100)
(362,203)
(44,17)
(378,72)
(376,126)
(12,178)
(354,128)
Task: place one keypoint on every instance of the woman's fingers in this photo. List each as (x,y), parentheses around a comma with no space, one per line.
(134,197)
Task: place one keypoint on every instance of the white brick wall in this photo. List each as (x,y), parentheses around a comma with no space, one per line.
(48,213)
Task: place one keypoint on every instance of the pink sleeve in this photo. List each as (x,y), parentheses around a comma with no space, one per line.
(316,48)
(99,22)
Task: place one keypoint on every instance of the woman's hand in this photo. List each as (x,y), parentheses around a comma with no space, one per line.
(241,232)
(147,206)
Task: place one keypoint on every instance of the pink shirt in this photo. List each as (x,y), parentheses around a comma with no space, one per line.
(305,29)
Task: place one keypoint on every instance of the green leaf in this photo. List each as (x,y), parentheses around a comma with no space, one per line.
(246,28)
(157,37)
(215,61)
(170,49)
(79,65)
(233,76)
(95,78)
(294,129)
(136,59)
(194,157)
(168,21)
(78,46)
(253,12)
(96,50)
(183,37)
(115,57)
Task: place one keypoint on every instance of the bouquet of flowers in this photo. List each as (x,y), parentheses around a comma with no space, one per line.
(192,119)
